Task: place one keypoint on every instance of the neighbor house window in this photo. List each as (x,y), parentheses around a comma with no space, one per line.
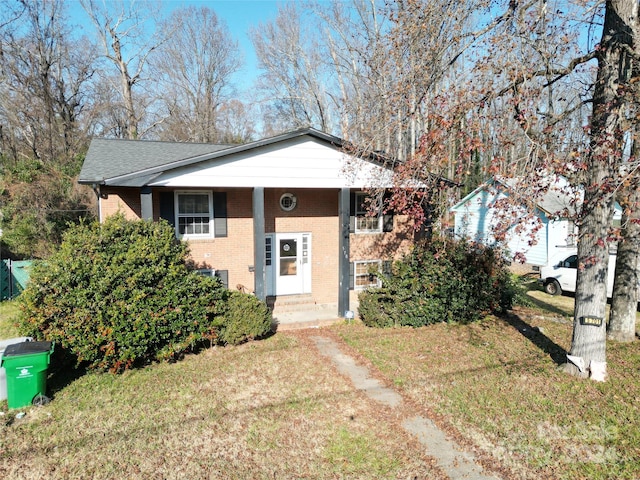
(364,276)
(365,221)
(194,214)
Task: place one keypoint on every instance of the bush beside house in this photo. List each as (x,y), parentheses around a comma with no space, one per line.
(245,318)
(440,281)
(120,294)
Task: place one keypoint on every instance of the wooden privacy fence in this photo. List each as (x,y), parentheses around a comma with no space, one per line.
(14,276)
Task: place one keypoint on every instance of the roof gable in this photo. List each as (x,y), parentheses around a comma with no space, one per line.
(112,158)
(119,162)
(558,199)
(302,162)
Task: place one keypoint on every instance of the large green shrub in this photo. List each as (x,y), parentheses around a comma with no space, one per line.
(119,294)
(440,281)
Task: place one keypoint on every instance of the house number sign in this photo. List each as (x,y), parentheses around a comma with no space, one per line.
(594,321)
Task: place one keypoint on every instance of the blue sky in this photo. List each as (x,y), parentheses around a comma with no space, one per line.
(239,15)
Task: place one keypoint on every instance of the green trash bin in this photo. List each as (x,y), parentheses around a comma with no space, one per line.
(26,366)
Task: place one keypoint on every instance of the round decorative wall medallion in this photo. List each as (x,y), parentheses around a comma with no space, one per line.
(288,202)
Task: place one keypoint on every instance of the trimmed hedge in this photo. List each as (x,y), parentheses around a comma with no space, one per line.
(246,318)
(119,295)
(440,281)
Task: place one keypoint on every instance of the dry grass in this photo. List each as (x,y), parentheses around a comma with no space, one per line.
(497,384)
(267,409)
(277,409)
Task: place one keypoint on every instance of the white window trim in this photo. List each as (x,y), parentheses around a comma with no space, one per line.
(188,236)
(360,198)
(368,263)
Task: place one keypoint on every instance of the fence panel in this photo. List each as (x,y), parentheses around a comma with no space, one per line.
(5,280)
(14,276)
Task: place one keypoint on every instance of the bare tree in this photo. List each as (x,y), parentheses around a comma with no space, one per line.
(121,27)
(536,120)
(236,123)
(195,85)
(593,163)
(626,288)
(45,80)
(293,78)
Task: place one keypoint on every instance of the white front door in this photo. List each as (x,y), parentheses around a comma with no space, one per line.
(288,268)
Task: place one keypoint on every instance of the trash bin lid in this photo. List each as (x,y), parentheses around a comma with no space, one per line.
(5,343)
(27,348)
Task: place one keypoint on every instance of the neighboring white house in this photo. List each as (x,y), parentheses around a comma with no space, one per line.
(537,239)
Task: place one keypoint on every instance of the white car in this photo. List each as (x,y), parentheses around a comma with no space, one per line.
(560,276)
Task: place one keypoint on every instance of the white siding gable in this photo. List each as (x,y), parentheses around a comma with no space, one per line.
(475,220)
(301,162)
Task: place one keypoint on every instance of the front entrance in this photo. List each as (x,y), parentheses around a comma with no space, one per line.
(288,263)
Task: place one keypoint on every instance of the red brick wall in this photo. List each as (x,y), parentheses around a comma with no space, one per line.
(316,212)
(120,200)
(235,251)
(383,246)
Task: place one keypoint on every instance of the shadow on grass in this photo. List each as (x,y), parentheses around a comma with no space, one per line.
(538,338)
(62,372)
(547,306)
(63,369)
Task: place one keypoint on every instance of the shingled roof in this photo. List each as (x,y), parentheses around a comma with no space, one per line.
(110,158)
(135,162)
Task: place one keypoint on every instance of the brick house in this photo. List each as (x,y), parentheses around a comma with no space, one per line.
(282,217)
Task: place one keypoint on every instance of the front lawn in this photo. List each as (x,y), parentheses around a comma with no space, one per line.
(277,409)
(262,410)
(496,383)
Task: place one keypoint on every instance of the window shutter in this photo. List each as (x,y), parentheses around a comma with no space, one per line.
(167,207)
(386,267)
(223,275)
(387,219)
(352,269)
(220,214)
(387,222)
(352,212)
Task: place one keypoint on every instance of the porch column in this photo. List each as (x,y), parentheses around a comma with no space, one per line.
(259,243)
(343,246)
(146,203)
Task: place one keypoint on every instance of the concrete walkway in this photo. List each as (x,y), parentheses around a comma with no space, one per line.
(456,463)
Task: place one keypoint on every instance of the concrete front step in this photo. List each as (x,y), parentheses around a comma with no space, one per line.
(301,311)
(291,302)
(311,316)
(319,310)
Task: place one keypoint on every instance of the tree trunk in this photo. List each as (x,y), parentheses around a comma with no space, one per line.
(624,302)
(127,91)
(588,346)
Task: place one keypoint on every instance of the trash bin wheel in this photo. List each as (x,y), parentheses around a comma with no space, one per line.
(40,400)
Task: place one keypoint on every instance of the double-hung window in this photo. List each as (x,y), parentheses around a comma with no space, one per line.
(365,221)
(194,214)
(364,276)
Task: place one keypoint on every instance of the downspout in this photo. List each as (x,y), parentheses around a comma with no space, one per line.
(96,190)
